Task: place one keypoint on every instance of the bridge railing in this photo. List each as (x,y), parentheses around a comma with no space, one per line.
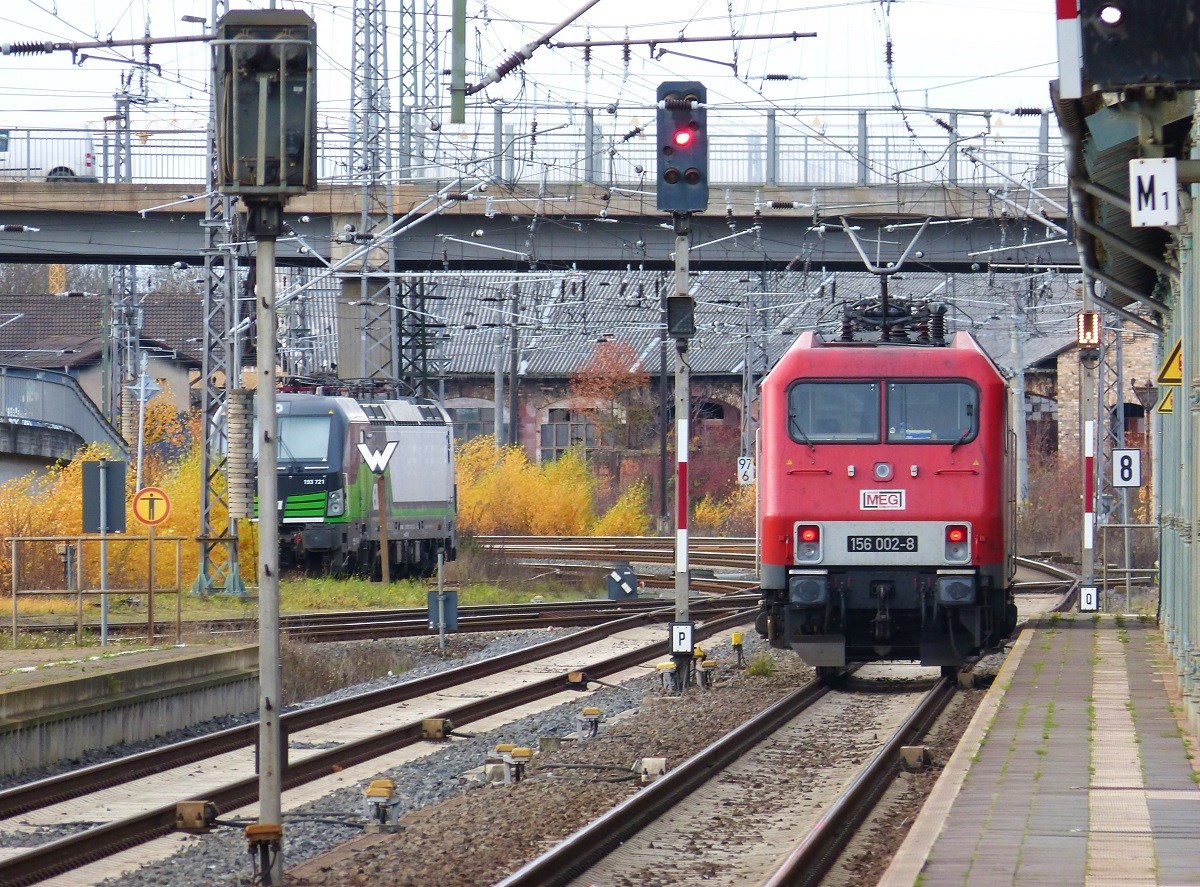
(771,148)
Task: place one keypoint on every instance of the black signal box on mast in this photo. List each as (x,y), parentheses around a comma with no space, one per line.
(265,64)
(682,146)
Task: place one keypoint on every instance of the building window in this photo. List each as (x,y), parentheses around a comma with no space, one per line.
(471,422)
(564,430)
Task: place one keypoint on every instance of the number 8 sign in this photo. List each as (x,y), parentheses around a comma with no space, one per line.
(1127,468)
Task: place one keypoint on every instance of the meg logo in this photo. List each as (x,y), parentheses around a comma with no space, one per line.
(881,500)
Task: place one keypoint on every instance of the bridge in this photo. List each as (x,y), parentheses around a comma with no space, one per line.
(574,195)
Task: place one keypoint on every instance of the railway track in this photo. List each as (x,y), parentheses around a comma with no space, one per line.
(639,839)
(151,821)
(569,557)
(66,853)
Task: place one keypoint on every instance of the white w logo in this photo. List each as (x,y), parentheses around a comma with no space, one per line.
(377,462)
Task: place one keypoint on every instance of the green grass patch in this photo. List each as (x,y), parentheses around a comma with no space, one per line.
(761,666)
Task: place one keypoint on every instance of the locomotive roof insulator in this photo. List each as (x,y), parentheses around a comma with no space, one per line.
(906,321)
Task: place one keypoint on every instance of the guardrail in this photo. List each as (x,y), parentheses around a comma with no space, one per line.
(1119,560)
(70,550)
(754,147)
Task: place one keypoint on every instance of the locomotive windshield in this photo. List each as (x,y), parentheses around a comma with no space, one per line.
(302,438)
(834,412)
(941,412)
(915,412)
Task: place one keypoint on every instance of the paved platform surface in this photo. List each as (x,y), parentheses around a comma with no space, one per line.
(1075,769)
(30,667)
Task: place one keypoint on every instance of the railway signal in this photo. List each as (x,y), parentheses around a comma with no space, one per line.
(264,76)
(682,146)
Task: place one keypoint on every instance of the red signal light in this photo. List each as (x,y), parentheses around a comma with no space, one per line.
(956,534)
(682,138)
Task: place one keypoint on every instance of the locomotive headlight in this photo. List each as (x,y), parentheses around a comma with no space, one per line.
(958,543)
(956,590)
(808,589)
(808,544)
(335,503)
(882,471)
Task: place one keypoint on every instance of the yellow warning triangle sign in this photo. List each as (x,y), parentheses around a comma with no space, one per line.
(1168,402)
(1171,372)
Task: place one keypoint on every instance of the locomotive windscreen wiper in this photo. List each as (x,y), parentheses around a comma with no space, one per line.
(962,439)
(797,429)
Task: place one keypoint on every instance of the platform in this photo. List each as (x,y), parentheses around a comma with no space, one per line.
(1074,770)
(59,704)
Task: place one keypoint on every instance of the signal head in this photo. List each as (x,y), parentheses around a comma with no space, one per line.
(683,147)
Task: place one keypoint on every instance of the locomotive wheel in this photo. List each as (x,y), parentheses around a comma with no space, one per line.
(761,623)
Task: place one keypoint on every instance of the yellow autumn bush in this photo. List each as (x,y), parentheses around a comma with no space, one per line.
(629,515)
(50,504)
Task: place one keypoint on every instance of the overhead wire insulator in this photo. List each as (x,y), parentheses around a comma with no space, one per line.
(1027,112)
(943,124)
(888,56)
(26,48)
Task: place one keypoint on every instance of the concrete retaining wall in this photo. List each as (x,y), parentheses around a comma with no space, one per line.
(58,720)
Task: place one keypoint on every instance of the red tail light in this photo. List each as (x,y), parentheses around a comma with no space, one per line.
(810,534)
(956,534)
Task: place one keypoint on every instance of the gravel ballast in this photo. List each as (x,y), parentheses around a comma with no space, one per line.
(456,831)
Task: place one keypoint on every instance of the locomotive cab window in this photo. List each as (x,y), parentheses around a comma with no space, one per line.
(834,412)
(301,438)
(932,412)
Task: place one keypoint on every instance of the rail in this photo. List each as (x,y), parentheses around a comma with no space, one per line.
(809,862)
(62,855)
(573,856)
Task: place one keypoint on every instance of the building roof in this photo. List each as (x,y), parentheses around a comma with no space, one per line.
(742,319)
(68,330)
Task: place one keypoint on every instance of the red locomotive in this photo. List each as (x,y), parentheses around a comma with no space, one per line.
(886,494)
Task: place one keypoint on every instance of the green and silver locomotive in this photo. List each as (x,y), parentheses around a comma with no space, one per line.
(338,458)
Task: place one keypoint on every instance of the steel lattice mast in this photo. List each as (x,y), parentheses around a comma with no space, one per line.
(395,338)
(371,166)
(220,372)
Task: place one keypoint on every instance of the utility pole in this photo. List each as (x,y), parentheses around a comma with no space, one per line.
(371,164)
(265,74)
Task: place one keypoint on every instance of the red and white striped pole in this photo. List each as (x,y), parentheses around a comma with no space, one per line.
(681,498)
(682,408)
(1089,490)
(1070,50)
